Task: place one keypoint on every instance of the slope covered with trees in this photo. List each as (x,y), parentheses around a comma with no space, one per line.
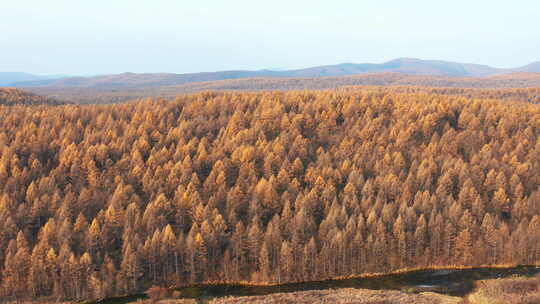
(11,97)
(115,94)
(263,188)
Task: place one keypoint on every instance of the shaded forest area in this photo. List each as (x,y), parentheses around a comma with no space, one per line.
(263,188)
(119,93)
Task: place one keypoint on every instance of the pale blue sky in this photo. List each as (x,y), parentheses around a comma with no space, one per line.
(113,36)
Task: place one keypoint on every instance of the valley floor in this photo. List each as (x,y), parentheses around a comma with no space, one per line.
(341,296)
(346,296)
(515,290)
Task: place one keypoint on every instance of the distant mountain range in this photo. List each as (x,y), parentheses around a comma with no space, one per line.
(11,78)
(409,66)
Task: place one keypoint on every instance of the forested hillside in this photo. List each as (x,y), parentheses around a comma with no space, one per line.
(116,93)
(263,188)
(11,97)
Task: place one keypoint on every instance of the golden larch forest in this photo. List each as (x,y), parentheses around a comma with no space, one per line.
(264,187)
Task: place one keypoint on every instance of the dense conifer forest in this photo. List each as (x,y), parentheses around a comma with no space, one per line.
(265,188)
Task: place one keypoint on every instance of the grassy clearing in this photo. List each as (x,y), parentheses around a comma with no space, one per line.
(517,290)
(344,296)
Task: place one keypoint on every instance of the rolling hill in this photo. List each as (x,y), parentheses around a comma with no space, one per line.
(10,97)
(104,94)
(513,80)
(409,66)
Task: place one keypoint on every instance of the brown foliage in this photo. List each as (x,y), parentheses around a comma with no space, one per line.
(157,293)
(263,188)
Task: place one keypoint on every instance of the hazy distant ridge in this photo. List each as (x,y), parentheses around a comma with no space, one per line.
(408,66)
(11,78)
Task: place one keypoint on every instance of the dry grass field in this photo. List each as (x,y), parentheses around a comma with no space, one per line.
(341,296)
(507,291)
(344,296)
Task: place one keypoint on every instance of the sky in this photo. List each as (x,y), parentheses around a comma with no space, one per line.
(77,37)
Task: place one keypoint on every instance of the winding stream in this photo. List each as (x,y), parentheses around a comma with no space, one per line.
(450,282)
